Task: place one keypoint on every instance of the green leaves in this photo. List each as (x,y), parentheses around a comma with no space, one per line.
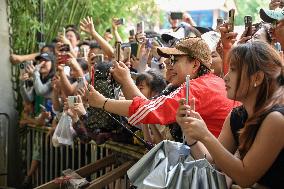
(250,7)
(59,13)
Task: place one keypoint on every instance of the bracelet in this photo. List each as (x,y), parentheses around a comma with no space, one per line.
(83,117)
(193,144)
(105,103)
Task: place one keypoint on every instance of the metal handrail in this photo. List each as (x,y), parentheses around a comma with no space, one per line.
(53,164)
(6,148)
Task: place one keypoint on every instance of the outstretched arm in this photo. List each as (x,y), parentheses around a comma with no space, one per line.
(87,26)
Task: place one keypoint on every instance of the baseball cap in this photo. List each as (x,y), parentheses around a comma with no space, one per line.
(45,56)
(194,47)
(271,15)
(178,34)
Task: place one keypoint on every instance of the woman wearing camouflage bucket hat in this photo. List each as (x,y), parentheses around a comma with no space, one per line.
(190,57)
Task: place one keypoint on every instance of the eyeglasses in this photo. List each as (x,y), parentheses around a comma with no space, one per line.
(173,60)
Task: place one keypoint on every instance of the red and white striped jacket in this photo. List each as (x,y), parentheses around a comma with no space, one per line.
(210,102)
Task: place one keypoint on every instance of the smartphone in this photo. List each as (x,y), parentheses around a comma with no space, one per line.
(62,58)
(231,20)
(81,82)
(127,53)
(248,24)
(134,49)
(140,27)
(71,100)
(131,33)
(187,88)
(99,58)
(220,21)
(187,79)
(120,21)
(43,108)
(176,15)
(24,64)
(83,52)
(117,51)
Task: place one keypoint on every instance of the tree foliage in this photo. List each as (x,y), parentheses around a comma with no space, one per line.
(249,7)
(59,13)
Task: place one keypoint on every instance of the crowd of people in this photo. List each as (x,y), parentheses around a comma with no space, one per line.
(235,108)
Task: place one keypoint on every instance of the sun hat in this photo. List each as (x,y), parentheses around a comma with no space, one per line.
(194,47)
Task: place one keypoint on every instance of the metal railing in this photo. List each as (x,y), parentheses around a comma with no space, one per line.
(54,160)
(4,132)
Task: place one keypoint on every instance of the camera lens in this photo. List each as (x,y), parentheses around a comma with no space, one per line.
(22,66)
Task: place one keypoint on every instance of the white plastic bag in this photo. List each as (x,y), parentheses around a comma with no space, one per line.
(64,132)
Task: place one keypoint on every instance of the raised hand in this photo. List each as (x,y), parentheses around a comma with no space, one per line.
(120,72)
(95,99)
(228,38)
(64,40)
(87,25)
(30,69)
(79,107)
(192,125)
(24,76)
(244,38)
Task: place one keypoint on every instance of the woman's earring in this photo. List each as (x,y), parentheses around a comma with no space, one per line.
(254,85)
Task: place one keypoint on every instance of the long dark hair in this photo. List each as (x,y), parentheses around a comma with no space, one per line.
(250,58)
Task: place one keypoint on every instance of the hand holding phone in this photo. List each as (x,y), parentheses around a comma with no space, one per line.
(71,100)
(120,21)
(81,82)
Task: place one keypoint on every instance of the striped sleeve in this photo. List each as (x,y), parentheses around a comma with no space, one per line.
(161,110)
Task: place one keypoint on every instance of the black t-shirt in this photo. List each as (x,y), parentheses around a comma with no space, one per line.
(274,177)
